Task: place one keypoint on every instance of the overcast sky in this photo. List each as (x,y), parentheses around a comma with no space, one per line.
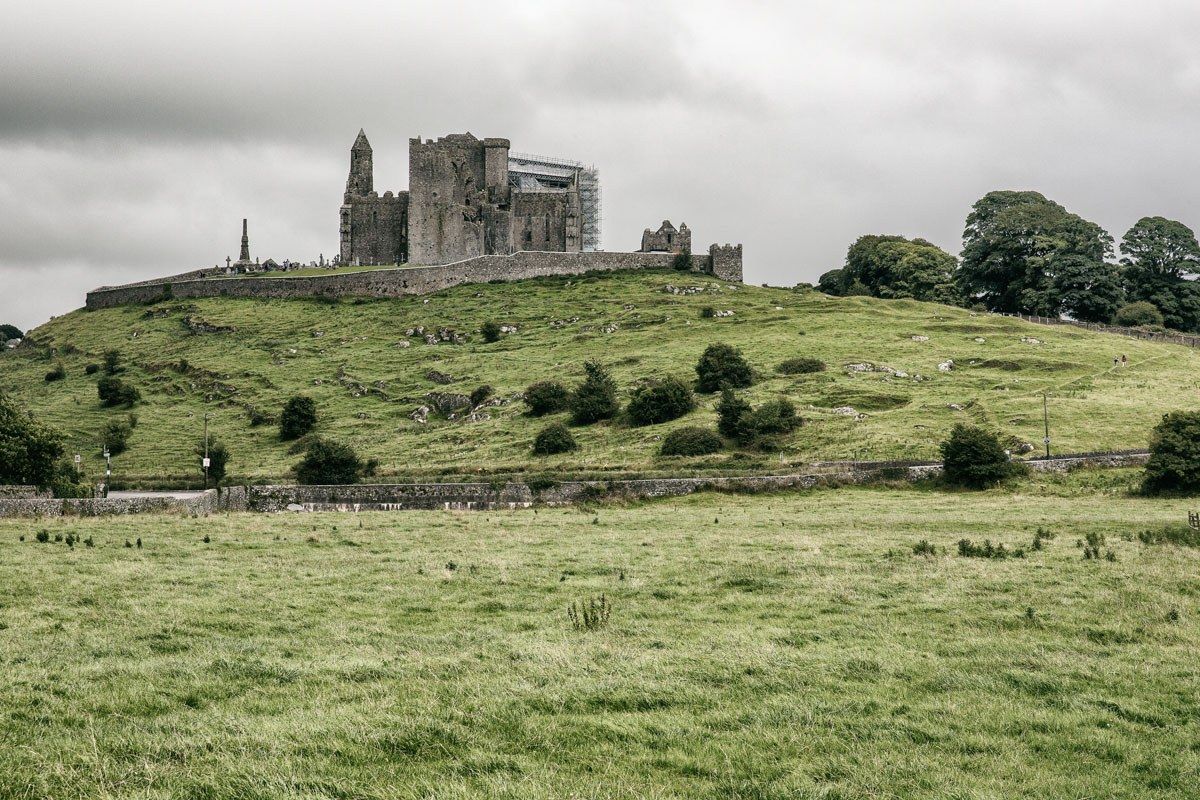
(135,136)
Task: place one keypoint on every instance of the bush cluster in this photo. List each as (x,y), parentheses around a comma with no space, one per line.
(969,549)
(1141,313)
(722,365)
(57,373)
(299,416)
(691,441)
(554,439)
(800,366)
(596,397)
(660,401)
(974,458)
(1174,463)
(115,392)
(760,426)
(327,462)
(546,397)
(490,331)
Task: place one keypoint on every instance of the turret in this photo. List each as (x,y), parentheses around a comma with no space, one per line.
(362,172)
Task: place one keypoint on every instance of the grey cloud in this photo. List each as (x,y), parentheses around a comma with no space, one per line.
(135,136)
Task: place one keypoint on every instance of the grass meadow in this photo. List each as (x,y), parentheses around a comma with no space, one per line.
(759,647)
(226,357)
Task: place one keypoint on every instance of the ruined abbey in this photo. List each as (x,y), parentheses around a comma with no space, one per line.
(473,212)
(467,197)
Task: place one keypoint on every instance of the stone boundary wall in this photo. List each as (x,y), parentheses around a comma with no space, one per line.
(205,504)
(23,493)
(486,496)
(401,281)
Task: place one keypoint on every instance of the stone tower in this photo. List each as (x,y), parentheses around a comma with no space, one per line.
(362,172)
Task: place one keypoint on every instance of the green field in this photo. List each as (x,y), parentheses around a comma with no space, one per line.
(766,647)
(348,356)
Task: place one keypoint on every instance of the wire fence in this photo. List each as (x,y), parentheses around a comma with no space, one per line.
(1135,333)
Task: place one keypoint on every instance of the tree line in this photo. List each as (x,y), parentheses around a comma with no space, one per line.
(1023,253)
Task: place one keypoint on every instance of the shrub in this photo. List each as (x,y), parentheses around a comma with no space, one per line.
(490,331)
(43,536)
(112,362)
(218,459)
(731,410)
(591,614)
(554,439)
(1174,464)
(481,395)
(115,392)
(596,398)
(57,374)
(546,397)
(771,419)
(682,260)
(691,441)
(9,332)
(969,549)
(924,548)
(327,463)
(1177,534)
(115,436)
(660,401)
(299,416)
(91,369)
(800,366)
(975,458)
(1133,315)
(708,312)
(721,365)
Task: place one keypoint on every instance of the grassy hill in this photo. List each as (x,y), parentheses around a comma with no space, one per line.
(228,357)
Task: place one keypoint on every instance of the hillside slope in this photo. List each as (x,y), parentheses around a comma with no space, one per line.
(228,356)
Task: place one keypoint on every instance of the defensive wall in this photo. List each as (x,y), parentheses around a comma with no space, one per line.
(722,261)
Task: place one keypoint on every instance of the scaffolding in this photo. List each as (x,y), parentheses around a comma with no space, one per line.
(539,173)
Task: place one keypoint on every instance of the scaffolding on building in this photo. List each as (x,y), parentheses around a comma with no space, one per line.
(540,173)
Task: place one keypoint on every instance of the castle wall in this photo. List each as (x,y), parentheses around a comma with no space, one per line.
(452,215)
(374,229)
(540,221)
(404,281)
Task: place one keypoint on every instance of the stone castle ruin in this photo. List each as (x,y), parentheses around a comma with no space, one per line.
(474,212)
(467,197)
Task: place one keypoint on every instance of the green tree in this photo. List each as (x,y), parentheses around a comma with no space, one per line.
(660,401)
(490,331)
(329,463)
(683,260)
(832,282)
(1022,252)
(896,267)
(30,453)
(298,418)
(1138,314)
(721,365)
(974,457)
(9,332)
(1161,246)
(115,392)
(546,397)
(1158,256)
(553,439)
(1174,463)
(731,411)
(596,397)
(218,459)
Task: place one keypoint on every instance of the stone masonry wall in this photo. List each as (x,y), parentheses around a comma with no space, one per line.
(23,493)
(103,507)
(397,282)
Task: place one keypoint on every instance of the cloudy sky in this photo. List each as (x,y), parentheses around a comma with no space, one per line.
(134,136)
